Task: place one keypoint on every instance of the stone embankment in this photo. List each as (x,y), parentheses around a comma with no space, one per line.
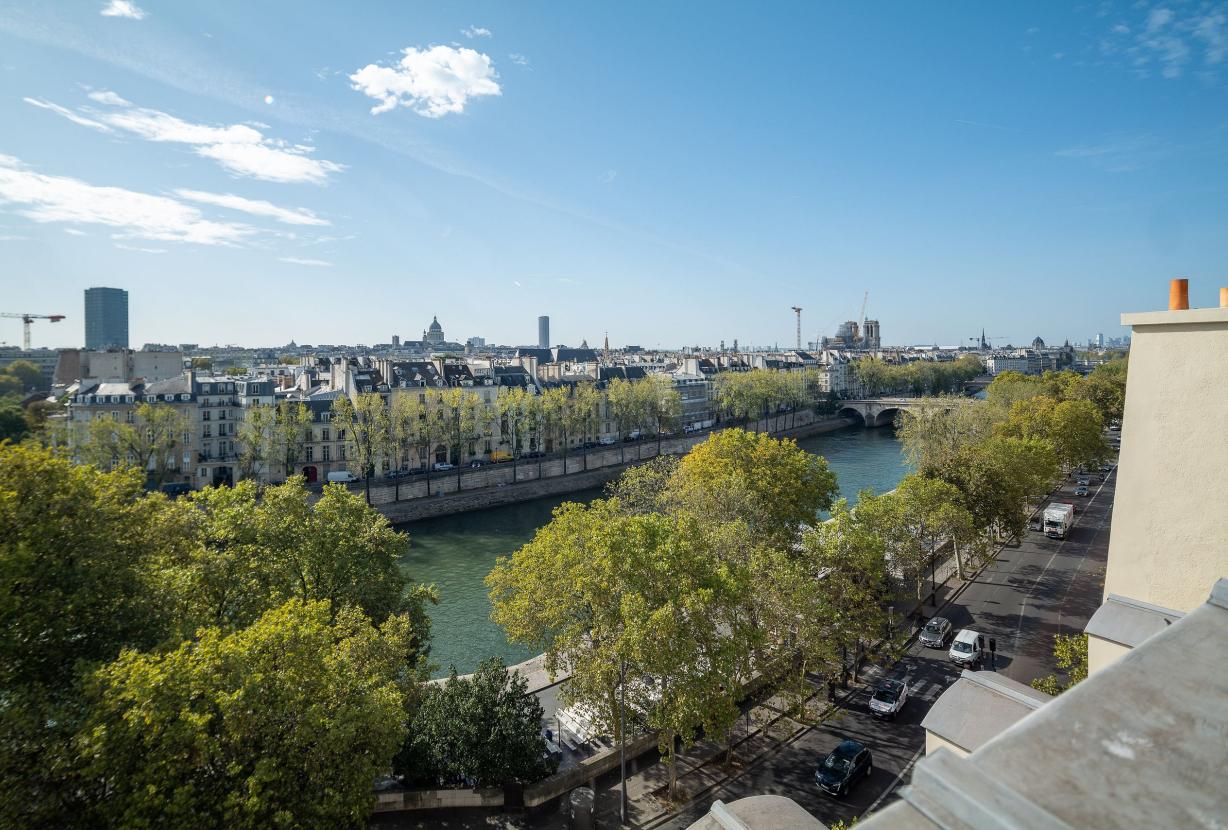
(493,484)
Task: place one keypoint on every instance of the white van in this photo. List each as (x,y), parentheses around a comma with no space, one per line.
(966,649)
(342,477)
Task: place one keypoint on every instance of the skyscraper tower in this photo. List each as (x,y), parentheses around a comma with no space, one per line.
(106,318)
(543,332)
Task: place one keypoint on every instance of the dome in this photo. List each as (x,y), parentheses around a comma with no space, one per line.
(435,324)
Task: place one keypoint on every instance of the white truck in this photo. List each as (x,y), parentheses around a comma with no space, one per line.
(1059,517)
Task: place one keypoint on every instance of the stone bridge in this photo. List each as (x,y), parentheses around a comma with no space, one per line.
(875,412)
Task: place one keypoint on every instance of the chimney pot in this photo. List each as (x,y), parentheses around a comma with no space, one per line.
(1223,297)
(1178,295)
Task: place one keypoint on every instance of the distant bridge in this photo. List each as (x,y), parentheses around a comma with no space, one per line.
(875,412)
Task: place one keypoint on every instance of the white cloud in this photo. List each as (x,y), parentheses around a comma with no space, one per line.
(44,198)
(314,263)
(256,207)
(75,232)
(1212,29)
(139,250)
(1172,40)
(69,114)
(1120,29)
(518,59)
(609,176)
(433,82)
(1159,18)
(239,148)
(123,8)
(475,31)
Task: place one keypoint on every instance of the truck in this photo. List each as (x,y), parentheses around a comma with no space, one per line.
(1059,517)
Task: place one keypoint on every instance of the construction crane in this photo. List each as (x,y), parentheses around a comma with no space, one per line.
(27,319)
(862,318)
(798,311)
(988,341)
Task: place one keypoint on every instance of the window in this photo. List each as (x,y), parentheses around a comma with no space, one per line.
(421,397)
(130,416)
(115,399)
(340,435)
(208,433)
(310,454)
(324,434)
(187,438)
(324,457)
(341,452)
(114,415)
(206,415)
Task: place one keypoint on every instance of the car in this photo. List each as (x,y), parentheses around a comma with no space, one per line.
(1104,468)
(342,477)
(500,456)
(635,435)
(1036,523)
(1080,491)
(966,649)
(1084,481)
(1114,428)
(843,767)
(532,454)
(443,466)
(889,697)
(475,463)
(607,440)
(936,633)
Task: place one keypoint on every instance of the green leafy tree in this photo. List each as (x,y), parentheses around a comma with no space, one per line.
(406,416)
(151,443)
(484,730)
(291,432)
(28,375)
(662,404)
(770,484)
(282,724)
(935,430)
(366,423)
(873,374)
(13,424)
(76,553)
(259,549)
(1070,651)
(627,407)
(582,413)
(255,439)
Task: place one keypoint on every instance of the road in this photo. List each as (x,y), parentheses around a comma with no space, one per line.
(1029,593)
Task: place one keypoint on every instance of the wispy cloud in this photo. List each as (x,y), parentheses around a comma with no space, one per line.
(241,149)
(139,250)
(313,263)
(1172,40)
(985,124)
(43,198)
(475,31)
(256,207)
(1119,153)
(123,8)
(609,176)
(433,82)
(75,232)
(518,59)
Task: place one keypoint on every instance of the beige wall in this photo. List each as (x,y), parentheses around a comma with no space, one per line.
(1170,519)
(933,743)
(1100,653)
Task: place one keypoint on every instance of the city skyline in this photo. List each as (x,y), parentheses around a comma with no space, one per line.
(670,172)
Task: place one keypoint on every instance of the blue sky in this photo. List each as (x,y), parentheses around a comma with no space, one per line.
(671,173)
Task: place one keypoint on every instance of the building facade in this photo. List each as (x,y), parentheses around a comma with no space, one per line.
(106,318)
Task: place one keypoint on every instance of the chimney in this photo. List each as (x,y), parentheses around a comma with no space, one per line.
(1223,297)
(1178,295)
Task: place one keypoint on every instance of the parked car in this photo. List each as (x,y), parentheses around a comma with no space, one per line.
(936,633)
(1104,468)
(443,466)
(607,440)
(966,649)
(843,767)
(532,454)
(499,456)
(635,435)
(889,697)
(1080,491)
(1084,481)
(342,477)
(475,463)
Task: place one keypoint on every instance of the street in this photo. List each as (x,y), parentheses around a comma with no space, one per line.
(1040,588)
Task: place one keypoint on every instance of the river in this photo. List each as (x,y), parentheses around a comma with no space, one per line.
(456,552)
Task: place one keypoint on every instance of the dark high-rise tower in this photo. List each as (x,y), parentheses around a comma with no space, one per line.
(543,332)
(106,318)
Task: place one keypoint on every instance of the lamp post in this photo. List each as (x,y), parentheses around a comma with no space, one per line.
(622,741)
(933,580)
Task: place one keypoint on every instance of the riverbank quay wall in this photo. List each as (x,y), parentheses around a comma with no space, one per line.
(493,485)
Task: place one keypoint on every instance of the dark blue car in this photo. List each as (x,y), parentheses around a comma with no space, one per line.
(843,767)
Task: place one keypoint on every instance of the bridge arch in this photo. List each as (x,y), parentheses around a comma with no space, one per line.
(853,413)
(886,417)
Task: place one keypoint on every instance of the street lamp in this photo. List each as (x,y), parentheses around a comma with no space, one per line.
(933,580)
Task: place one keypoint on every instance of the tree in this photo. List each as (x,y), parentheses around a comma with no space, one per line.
(630,604)
(257,550)
(484,730)
(255,438)
(662,404)
(1070,652)
(28,375)
(76,587)
(282,724)
(582,412)
(513,405)
(150,443)
(406,417)
(934,430)
(13,425)
(627,408)
(772,485)
(291,431)
(914,521)
(873,375)
(366,424)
